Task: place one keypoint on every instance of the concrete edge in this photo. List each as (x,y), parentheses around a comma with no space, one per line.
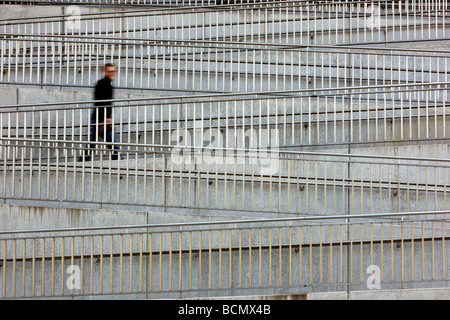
(400,294)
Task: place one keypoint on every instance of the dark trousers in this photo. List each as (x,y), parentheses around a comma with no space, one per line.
(102,133)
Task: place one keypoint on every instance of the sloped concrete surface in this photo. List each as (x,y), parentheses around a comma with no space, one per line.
(404,294)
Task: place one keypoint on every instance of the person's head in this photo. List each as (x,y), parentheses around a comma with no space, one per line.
(110,71)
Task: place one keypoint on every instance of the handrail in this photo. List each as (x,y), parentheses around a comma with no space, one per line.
(113,4)
(250,152)
(180,226)
(314,92)
(192,43)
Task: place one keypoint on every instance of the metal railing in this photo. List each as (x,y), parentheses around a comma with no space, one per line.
(136,3)
(302,118)
(262,256)
(204,66)
(212,178)
(291,22)
(116,3)
(166,163)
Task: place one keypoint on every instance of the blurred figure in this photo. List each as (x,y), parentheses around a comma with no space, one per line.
(102,114)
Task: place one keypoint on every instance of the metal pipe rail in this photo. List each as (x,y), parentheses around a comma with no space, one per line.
(305,118)
(157,3)
(412,21)
(193,43)
(116,3)
(137,3)
(234,179)
(216,67)
(396,217)
(93,39)
(184,260)
(312,92)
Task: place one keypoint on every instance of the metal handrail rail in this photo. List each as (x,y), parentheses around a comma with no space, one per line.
(180,226)
(248,95)
(113,4)
(191,43)
(250,151)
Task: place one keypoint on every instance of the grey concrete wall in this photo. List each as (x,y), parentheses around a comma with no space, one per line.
(19,217)
(14,95)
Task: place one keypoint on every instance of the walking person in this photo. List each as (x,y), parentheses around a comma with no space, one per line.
(102,114)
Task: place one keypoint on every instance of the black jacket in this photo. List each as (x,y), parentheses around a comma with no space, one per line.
(103,91)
